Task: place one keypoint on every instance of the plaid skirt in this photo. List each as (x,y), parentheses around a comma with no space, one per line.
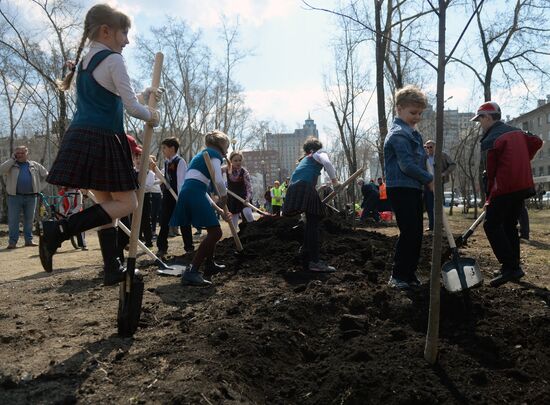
(96,159)
(302,197)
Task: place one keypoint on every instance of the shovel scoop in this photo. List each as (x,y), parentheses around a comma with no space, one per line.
(459,273)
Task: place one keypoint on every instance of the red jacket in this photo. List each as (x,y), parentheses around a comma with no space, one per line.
(506,154)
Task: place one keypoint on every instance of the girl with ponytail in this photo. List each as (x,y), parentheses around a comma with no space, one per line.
(94,153)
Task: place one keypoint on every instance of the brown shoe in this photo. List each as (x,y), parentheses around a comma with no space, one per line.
(31,243)
(11,246)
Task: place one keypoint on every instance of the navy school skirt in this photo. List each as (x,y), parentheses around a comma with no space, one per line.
(302,197)
(193,207)
(96,159)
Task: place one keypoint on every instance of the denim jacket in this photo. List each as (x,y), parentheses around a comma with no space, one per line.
(404,157)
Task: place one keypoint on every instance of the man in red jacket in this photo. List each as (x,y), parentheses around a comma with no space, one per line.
(506,154)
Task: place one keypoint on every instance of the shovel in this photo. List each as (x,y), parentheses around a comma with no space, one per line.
(131,289)
(173,270)
(461,240)
(459,273)
(243,201)
(343,186)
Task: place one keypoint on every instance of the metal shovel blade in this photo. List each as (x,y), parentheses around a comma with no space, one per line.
(461,274)
(129,308)
(172,270)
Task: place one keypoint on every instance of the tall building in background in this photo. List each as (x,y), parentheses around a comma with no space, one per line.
(455,126)
(289,147)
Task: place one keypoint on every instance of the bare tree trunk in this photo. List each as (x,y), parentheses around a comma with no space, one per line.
(381,44)
(432,336)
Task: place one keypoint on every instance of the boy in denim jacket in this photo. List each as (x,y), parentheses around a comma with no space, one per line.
(406,175)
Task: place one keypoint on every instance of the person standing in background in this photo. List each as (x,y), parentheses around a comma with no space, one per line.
(447,167)
(25,179)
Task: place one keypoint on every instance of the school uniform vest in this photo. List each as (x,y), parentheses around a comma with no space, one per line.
(171,174)
(308,170)
(237,186)
(198,163)
(96,107)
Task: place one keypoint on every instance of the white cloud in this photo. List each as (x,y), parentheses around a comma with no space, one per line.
(290,106)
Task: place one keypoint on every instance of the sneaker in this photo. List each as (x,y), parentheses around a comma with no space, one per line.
(193,277)
(11,246)
(398,284)
(213,267)
(320,267)
(31,243)
(506,276)
(161,253)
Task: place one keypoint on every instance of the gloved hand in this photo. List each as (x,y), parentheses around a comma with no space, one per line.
(151,90)
(336,186)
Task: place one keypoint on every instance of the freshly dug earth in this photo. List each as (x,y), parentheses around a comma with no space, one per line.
(268,332)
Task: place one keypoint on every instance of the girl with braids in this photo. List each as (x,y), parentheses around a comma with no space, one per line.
(94,153)
(238,181)
(302,197)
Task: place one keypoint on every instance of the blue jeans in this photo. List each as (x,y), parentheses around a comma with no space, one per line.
(16,204)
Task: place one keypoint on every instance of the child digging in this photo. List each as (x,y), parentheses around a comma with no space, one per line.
(195,207)
(238,181)
(302,197)
(95,153)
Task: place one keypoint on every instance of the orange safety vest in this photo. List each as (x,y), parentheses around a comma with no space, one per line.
(382,191)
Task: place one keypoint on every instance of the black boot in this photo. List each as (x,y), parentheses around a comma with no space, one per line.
(114,272)
(211,267)
(242,227)
(55,232)
(122,238)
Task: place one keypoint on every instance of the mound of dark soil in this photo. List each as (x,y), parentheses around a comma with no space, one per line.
(271,333)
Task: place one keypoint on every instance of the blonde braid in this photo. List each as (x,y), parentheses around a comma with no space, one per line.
(65,84)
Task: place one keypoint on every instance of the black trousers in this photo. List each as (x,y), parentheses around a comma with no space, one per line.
(524,222)
(311,237)
(156,199)
(370,208)
(145,232)
(408,208)
(168,204)
(501,218)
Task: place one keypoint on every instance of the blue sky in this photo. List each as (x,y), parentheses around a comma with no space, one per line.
(283,76)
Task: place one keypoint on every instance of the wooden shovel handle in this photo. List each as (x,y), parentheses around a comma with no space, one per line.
(344,185)
(161,177)
(144,163)
(238,198)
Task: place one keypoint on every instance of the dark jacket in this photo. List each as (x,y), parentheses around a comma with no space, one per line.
(370,195)
(506,154)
